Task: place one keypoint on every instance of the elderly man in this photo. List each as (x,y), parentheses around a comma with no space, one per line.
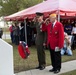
(55,40)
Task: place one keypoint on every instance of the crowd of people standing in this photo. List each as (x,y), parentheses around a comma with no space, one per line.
(17,33)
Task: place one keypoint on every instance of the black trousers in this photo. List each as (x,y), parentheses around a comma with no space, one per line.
(17,40)
(55,59)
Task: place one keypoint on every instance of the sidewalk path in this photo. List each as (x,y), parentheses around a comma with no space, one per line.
(66,67)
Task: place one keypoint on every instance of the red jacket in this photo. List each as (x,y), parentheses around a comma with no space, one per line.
(10,29)
(55,35)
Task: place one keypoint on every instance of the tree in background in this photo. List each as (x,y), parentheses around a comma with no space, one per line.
(8,7)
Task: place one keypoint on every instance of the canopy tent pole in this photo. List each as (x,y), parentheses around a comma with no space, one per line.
(58,16)
(26,43)
(25,32)
(4,28)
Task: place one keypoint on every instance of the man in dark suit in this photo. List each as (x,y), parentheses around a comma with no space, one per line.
(40,40)
(55,40)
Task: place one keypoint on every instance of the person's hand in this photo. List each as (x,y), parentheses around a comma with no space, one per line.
(34,19)
(46,20)
(57,49)
(40,19)
(44,44)
(66,28)
(72,32)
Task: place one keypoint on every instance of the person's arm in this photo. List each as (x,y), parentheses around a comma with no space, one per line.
(45,39)
(68,42)
(33,24)
(44,27)
(72,30)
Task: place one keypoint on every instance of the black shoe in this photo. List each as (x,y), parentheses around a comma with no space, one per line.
(57,71)
(38,67)
(42,67)
(52,70)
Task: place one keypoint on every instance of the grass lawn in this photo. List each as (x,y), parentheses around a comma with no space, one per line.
(30,63)
(70,73)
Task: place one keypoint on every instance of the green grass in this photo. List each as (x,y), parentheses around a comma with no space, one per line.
(70,73)
(30,63)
